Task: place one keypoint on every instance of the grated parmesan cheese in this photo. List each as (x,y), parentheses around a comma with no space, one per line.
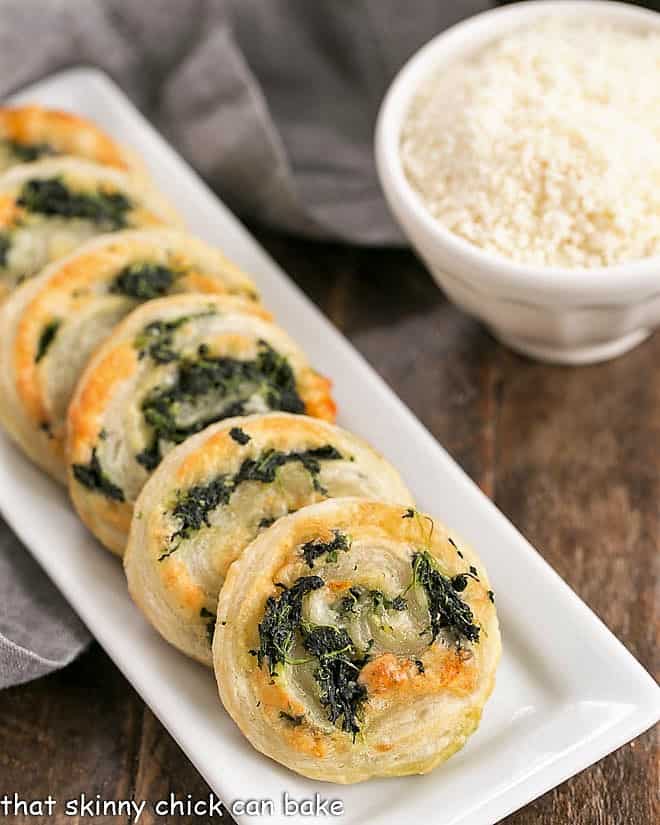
(545,146)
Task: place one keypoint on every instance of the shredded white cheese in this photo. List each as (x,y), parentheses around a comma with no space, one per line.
(545,146)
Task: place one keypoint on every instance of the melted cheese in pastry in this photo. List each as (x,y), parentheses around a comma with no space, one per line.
(50,207)
(356,639)
(53,323)
(171,368)
(214,493)
(29,133)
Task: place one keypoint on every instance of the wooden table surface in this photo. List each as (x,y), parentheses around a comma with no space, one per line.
(571,456)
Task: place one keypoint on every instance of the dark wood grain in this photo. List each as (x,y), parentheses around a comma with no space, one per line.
(570,455)
(73,732)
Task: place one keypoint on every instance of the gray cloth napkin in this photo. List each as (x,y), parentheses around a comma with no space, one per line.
(273,101)
(39,632)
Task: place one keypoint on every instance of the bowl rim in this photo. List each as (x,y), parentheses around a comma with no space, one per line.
(595,283)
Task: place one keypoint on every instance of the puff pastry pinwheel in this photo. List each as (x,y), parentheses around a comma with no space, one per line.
(29,133)
(356,639)
(174,366)
(50,207)
(215,492)
(53,323)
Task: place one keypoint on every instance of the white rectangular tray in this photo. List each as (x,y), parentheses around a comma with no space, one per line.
(567,691)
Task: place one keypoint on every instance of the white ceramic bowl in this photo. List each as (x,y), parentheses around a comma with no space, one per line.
(570,316)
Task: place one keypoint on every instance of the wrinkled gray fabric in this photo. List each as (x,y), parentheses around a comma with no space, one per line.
(39,632)
(273,101)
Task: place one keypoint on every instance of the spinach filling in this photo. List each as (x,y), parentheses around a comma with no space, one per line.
(358,598)
(447,611)
(281,620)
(340,693)
(313,550)
(338,662)
(94,478)
(210,619)
(46,338)
(239,436)
(157,339)
(193,508)
(5,246)
(50,196)
(144,281)
(207,389)
(29,152)
(359,601)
